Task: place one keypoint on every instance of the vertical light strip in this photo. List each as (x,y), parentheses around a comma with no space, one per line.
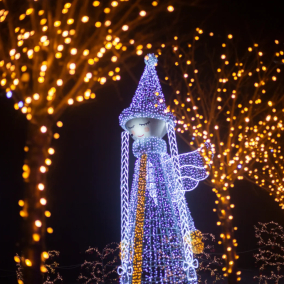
(124,196)
(139,223)
(190,264)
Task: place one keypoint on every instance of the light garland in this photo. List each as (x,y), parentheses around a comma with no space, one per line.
(124,198)
(139,223)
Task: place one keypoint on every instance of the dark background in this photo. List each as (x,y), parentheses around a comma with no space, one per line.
(84,179)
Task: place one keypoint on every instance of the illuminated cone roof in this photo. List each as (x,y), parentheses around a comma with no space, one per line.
(149,100)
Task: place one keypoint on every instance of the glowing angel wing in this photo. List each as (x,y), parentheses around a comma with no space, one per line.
(192,168)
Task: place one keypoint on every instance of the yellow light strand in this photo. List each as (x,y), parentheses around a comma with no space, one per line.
(139,224)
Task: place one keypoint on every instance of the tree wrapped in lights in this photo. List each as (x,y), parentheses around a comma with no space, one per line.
(102,266)
(157,230)
(232,97)
(270,256)
(54,54)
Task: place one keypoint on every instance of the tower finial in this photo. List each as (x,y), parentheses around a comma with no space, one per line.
(151,59)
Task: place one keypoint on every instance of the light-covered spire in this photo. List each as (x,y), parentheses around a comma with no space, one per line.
(149,100)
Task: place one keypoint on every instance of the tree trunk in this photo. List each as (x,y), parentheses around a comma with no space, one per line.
(224,213)
(34,208)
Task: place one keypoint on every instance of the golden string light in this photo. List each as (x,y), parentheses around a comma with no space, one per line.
(139,222)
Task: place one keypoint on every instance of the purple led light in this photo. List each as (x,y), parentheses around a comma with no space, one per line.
(9,94)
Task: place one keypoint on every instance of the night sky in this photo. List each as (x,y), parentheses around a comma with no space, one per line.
(84,180)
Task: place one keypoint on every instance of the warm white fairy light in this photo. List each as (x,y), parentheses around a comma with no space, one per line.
(246,145)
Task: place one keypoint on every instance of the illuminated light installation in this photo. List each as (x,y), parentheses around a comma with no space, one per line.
(156,224)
